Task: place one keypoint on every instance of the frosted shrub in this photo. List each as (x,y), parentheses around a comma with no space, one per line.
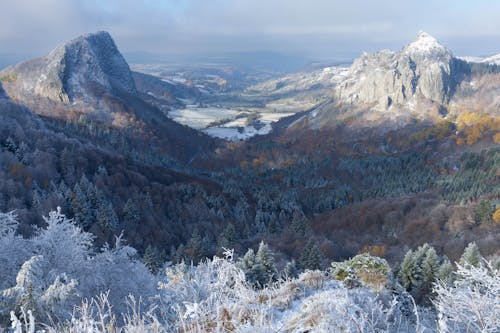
(364,269)
(472,303)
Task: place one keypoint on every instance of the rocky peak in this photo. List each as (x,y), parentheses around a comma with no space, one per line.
(81,69)
(424,69)
(426,45)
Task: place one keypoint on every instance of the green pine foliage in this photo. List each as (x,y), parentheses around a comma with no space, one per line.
(152,259)
(259,268)
(471,256)
(311,257)
(407,272)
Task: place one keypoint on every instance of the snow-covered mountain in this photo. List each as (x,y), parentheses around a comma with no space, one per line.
(87,81)
(492,60)
(424,80)
(422,69)
(83,68)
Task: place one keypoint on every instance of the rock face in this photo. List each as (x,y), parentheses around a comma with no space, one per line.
(82,68)
(422,69)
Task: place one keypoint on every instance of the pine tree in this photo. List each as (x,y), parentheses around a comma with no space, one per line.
(152,259)
(407,273)
(80,206)
(105,215)
(445,272)
(194,247)
(484,211)
(311,256)
(291,270)
(299,222)
(247,264)
(471,255)
(67,166)
(37,196)
(265,258)
(274,226)
(11,145)
(131,213)
(179,255)
(429,267)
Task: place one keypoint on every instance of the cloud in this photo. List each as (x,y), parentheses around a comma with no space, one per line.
(322,28)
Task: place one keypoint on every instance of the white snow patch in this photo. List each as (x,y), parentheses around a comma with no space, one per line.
(235,134)
(200,118)
(425,44)
(272,117)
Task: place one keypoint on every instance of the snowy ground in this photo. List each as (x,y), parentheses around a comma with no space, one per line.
(228,124)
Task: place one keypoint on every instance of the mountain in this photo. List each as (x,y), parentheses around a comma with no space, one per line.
(424,81)
(423,69)
(87,81)
(82,68)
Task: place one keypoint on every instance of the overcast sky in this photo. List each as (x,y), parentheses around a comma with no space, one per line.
(314,28)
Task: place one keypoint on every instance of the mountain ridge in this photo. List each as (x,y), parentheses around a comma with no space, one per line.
(88,82)
(75,70)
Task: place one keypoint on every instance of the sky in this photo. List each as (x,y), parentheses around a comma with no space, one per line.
(318,29)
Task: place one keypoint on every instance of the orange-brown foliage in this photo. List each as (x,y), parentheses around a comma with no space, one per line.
(374,250)
(496,215)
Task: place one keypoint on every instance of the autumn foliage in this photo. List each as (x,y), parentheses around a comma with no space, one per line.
(473,126)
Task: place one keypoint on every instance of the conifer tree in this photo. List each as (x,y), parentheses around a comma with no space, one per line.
(445,272)
(194,247)
(290,270)
(131,213)
(429,267)
(471,255)
(484,211)
(81,208)
(311,256)
(247,264)
(105,215)
(152,259)
(299,222)
(407,273)
(265,258)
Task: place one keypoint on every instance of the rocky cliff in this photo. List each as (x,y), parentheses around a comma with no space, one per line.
(422,69)
(82,68)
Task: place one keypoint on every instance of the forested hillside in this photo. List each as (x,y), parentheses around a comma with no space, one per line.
(360,214)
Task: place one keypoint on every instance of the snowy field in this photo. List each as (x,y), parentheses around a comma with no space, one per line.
(201,118)
(231,125)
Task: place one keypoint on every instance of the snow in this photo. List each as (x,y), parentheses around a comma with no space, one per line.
(492,60)
(425,44)
(272,117)
(234,134)
(231,121)
(200,118)
(215,294)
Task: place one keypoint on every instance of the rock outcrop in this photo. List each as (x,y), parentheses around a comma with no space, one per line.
(83,68)
(422,69)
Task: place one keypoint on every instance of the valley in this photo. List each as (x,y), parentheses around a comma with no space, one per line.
(377,180)
(237,106)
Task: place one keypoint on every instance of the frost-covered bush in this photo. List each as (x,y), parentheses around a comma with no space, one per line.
(215,297)
(472,303)
(14,250)
(363,269)
(111,291)
(58,267)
